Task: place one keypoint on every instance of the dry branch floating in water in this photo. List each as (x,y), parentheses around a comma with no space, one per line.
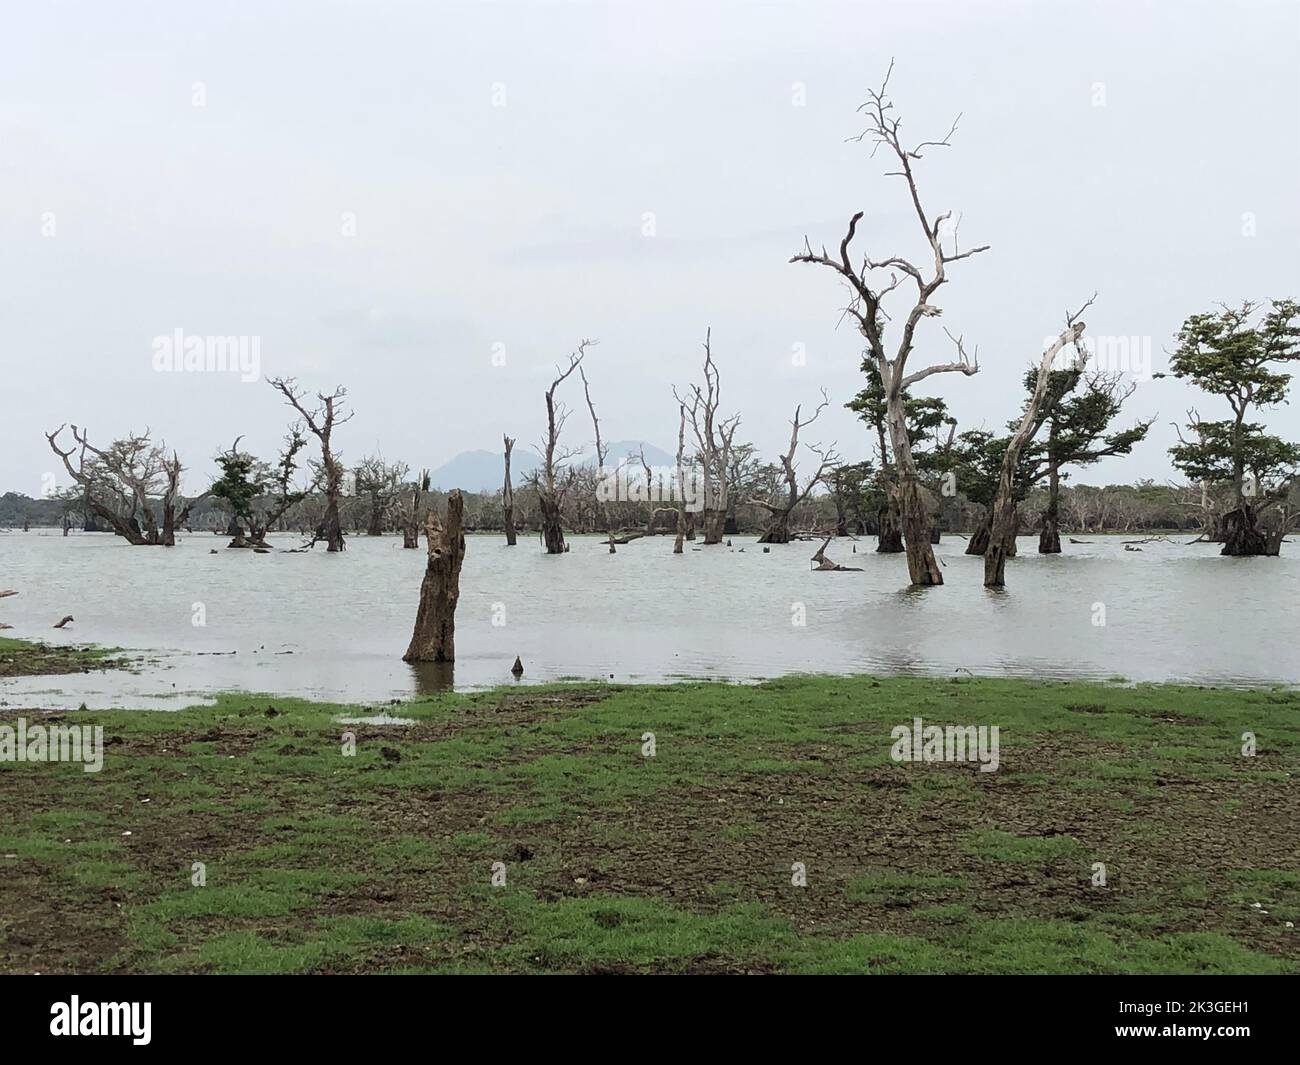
(824,563)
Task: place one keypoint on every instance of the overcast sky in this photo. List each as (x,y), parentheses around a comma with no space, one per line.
(200,167)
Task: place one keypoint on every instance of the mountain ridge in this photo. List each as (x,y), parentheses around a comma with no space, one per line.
(478,470)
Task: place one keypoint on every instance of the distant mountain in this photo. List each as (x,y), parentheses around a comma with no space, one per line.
(477,471)
(622,449)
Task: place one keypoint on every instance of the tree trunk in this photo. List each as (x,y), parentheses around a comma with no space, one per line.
(777,531)
(1241,533)
(1049,534)
(979,540)
(1274,536)
(841,514)
(434,638)
(552,530)
(889,539)
(1004,520)
(376,526)
(331,529)
(1001,540)
(508,498)
(922,567)
(714,522)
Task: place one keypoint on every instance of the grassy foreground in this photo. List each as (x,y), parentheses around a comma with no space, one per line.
(315,861)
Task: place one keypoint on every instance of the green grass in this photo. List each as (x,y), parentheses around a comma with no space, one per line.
(313,861)
(30,658)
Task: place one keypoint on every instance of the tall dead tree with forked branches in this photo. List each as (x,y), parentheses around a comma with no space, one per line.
(321,421)
(777,530)
(553,481)
(868,289)
(713,437)
(602,453)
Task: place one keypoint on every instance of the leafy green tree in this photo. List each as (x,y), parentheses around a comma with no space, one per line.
(856,496)
(1237,355)
(1077,422)
(257,493)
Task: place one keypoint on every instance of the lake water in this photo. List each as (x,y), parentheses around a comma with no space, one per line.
(1171,612)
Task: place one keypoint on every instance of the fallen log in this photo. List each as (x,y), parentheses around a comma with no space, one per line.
(824,563)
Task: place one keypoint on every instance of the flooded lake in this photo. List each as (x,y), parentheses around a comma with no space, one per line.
(335,626)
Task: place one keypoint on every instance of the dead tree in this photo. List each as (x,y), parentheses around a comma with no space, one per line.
(321,422)
(1002,511)
(866,295)
(553,481)
(713,437)
(434,638)
(777,530)
(411,513)
(508,496)
(824,564)
(602,453)
(124,481)
(681,479)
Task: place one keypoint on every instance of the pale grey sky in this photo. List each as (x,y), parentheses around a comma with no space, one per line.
(127,212)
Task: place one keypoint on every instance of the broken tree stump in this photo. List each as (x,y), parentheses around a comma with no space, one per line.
(434,638)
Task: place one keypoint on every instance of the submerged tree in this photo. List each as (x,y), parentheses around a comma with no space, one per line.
(133,485)
(555,478)
(777,530)
(714,437)
(258,494)
(867,292)
(508,496)
(602,454)
(853,489)
(925,417)
(974,461)
(321,421)
(1224,354)
(1002,511)
(379,483)
(681,479)
(411,511)
(1076,436)
(434,637)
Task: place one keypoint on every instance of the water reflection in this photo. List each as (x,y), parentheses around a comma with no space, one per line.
(433,677)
